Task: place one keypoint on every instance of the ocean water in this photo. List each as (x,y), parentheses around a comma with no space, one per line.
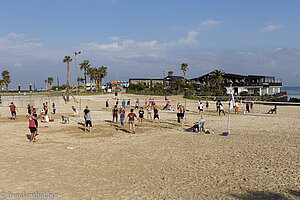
(292,91)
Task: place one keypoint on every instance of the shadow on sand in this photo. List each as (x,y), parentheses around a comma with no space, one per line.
(261,195)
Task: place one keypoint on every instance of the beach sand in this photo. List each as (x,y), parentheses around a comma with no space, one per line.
(259,160)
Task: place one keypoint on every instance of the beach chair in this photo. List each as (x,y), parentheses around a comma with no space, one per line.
(64,120)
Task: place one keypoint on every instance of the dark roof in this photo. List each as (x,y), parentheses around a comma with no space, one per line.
(173,78)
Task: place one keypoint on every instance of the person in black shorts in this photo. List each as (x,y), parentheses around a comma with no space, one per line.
(141,115)
(88,120)
(155,113)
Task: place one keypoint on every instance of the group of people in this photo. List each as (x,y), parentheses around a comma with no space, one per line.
(33,118)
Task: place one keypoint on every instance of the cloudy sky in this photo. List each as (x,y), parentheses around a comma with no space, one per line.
(139,38)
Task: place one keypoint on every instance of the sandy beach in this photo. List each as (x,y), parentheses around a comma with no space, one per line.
(259,160)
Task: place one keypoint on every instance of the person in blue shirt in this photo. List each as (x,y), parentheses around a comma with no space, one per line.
(123,103)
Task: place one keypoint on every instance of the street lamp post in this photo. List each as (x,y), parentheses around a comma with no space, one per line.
(76,75)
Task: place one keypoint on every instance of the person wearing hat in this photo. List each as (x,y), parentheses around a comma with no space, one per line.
(88,119)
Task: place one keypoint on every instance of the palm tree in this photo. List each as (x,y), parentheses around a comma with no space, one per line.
(50,81)
(170,73)
(217,78)
(80,80)
(91,72)
(46,85)
(1,84)
(103,73)
(67,60)
(84,66)
(184,67)
(98,77)
(6,78)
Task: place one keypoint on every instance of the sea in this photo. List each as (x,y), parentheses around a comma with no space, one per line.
(292,91)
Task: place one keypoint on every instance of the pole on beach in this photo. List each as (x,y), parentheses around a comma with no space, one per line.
(228,122)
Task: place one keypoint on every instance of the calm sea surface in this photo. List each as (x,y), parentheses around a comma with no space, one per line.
(292,91)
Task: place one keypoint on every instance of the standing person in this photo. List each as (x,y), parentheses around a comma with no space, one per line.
(88,120)
(36,119)
(248,107)
(221,109)
(123,103)
(45,107)
(28,108)
(251,105)
(106,103)
(13,110)
(200,106)
(155,113)
(131,117)
(236,107)
(207,105)
(32,127)
(128,103)
(141,115)
(218,105)
(122,116)
(149,112)
(180,114)
(115,113)
(137,104)
(146,103)
(54,108)
(117,102)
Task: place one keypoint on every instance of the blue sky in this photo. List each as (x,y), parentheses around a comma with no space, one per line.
(140,38)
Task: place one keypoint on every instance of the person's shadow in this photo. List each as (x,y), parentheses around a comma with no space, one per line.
(29,136)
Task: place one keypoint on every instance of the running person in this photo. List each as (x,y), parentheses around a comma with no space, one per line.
(131,117)
(13,110)
(115,113)
(155,113)
(141,115)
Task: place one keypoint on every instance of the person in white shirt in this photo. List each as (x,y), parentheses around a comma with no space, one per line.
(221,109)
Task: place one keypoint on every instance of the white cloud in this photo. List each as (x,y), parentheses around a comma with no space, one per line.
(190,38)
(209,23)
(271,27)
(16,36)
(115,38)
(277,49)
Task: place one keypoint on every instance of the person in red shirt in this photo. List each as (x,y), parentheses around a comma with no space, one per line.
(13,110)
(131,117)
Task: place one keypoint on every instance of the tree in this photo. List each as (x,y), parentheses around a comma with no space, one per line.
(1,84)
(80,80)
(216,78)
(184,67)
(67,60)
(103,73)
(50,81)
(6,79)
(91,72)
(84,66)
(46,85)
(170,73)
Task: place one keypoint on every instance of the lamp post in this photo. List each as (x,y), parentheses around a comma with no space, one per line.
(76,75)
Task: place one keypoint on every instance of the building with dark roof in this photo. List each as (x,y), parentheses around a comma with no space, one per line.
(150,82)
(253,84)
